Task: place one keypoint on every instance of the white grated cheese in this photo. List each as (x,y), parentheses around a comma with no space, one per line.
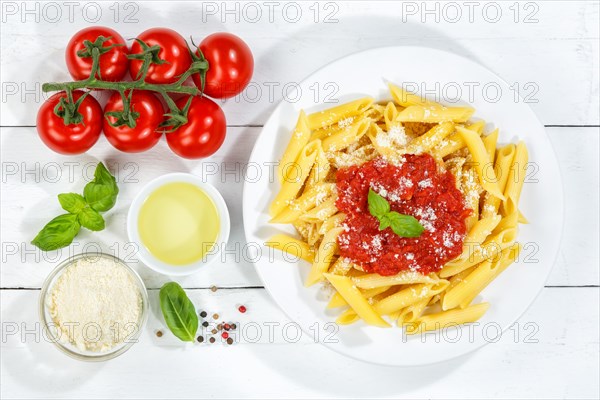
(346,122)
(425,183)
(95,304)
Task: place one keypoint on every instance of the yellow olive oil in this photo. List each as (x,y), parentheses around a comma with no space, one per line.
(178,223)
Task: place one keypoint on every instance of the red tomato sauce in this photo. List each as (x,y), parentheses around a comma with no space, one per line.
(414,187)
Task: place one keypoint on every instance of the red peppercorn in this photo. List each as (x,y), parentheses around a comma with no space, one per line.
(224,335)
(242,309)
(226,327)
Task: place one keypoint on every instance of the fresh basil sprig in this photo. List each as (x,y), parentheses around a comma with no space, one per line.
(98,195)
(403,225)
(101,193)
(179,312)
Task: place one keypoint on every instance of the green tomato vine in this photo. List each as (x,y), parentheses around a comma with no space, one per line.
(67,109)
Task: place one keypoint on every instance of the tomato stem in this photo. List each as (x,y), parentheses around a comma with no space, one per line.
(68,109)
(118,86)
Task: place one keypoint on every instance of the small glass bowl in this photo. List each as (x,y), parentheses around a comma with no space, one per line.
(50,328)
(147,258)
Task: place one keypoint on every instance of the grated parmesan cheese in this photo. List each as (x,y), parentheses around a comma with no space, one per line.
(96,304)
(346,122)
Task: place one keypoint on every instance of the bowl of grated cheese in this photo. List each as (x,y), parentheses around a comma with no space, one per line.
(93,307)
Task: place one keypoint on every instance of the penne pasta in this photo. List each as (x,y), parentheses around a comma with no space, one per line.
(477,126)
(470,286)
(330,116)
(446,319)
(502,164)
(471,190)
(487,176)
(489,142)
(434,114)
(371,281)
(331,222)
(321,212)
(299,139)
(479,232)
(323,256)
(357,302)
(389,116)
(406,99)
(514,185)
(292,246)
(430,139)
(336,301)
(451,145)
(412,312)
(309,199)
(291,186)
(347,317)
(400,150)
(347,136)
(408,296)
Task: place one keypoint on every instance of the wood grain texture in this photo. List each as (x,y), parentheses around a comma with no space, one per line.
(32,179)
(547,355)
(553,58)
(549,51)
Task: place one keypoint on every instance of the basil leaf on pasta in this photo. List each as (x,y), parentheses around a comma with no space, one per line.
(378,205)
(405,225)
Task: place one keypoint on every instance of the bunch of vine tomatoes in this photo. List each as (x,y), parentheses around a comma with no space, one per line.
(200,133)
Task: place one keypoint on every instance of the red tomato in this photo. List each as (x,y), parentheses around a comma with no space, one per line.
(113,63)
(72,138)
(145,134)
(230,65)
(174,51)
(204,132)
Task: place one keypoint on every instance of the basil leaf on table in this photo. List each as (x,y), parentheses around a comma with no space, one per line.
(101,193)
(91,219)
(57,233)
(72,202)
(98,195)
(179,312)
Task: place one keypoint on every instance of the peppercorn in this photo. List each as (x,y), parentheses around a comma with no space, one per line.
(200,339)
(212,340)
(224,335)
(203,314)
(229,341)
(242,309)
(227,327)
(159,333)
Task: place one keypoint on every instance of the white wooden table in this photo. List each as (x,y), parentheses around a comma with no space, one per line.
(548,50)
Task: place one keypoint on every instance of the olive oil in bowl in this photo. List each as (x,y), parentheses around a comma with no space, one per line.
(178,223)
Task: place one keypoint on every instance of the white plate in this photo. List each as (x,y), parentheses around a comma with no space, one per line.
(510,295)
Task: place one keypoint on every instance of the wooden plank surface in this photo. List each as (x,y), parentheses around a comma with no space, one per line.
(547,50)
(549,56)
(32,179)
(548,354)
